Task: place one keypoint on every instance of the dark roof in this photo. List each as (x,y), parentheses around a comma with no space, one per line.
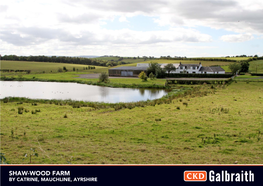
(211,69)
(217,68)
(190,65)
(129,68)
(206,69)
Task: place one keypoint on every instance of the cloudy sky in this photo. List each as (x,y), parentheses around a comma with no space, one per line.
(193,28)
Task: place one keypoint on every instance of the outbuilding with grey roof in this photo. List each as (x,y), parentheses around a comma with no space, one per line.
(127,71)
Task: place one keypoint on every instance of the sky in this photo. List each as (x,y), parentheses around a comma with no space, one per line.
(192,28)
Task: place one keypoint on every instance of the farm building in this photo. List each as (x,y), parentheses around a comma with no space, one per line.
(127,71)
(180,69)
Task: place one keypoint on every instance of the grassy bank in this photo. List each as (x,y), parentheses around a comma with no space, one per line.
(223,126)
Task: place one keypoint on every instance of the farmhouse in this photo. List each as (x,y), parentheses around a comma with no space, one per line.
(179,69)
(195,69)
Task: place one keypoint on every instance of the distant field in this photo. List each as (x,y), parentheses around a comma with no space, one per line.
(238,58)
(256,66)
(125,59)
(229,58)
(249,78)
(39,67)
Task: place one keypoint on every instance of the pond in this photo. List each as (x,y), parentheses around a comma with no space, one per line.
(75,91)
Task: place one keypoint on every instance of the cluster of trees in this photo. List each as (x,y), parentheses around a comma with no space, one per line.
(245,56)
(155,70)
(239,67)
(57,59)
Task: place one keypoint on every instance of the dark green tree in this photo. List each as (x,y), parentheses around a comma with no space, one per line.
(64,68)
(151,76)
(234,67)
(169,67)
(104,77)
(156,69)
(244,66)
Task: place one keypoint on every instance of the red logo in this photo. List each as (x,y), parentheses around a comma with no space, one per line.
(195,176)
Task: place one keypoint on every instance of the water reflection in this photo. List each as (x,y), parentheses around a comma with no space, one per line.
(103,92)
(142,91)
(74,91)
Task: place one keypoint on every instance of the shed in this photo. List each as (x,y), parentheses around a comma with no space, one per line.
(127,71)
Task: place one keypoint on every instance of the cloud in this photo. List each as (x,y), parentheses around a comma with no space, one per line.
(237,16)
(24,36)
(237,38)
(123,19)
(67,26)
(3,8)
(203,9)
(126,6)
(79,19)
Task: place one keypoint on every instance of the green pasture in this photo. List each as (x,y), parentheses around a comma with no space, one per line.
(223,127)
(249,78)
(256,66)
(239,58)
(125,59)
(40,67)
(231,58)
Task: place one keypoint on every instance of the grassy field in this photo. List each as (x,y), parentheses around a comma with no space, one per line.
(256,66)
(125,59)
(40,67)
(232,58)
(224,127)
(249,78)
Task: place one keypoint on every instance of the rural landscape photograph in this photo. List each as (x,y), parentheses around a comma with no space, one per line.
(131,82)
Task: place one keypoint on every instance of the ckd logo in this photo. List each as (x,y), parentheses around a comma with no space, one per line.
(195,176)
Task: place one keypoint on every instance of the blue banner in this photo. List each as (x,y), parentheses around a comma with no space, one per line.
(131,174)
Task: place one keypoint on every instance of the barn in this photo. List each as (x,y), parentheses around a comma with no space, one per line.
(127,71)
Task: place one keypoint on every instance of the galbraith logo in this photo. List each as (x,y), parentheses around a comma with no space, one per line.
(223,176)
(195,176)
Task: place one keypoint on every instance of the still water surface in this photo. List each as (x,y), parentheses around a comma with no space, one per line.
(74,91)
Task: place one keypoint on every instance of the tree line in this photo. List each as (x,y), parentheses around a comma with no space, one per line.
(56,59)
